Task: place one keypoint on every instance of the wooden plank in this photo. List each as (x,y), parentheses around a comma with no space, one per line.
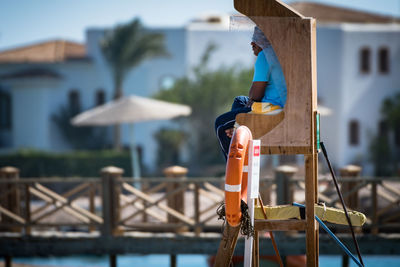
(65,201)
(279,225)
(265,8)
(388,207)
(149,191)
(156,202)
(11,215)
(140,206)
(310,214)
(227,246)
(210,196)
(167,209)
(57,205)
(214,189)
(260,124)
(66,195)
(349,193)
(286,150)
(391,189)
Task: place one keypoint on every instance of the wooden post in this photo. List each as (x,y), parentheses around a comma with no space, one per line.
(311,233)
(374,196)
(145,187)
(110,199)
(227,246)
(7,261)
(172,260)
(27,209)
(11,201)
(197,229)
(345,261)
(177,201)
(92,206)
(350,171)
(284,187)
(113,260)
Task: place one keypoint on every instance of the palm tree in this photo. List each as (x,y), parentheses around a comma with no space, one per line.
(124,48)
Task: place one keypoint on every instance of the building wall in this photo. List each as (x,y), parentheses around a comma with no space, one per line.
(329,84)
(359,95)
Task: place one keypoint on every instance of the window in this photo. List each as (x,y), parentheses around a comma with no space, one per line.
(397,136)
(100,97)
(365,58)
(383,128)
(383,60)
(74,101)
(5,110)
(354,133)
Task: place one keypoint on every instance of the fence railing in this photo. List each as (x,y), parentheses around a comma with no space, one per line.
(113,205)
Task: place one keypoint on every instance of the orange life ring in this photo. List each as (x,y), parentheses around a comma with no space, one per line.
(236,175)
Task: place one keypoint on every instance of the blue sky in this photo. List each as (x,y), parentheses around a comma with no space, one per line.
(29,21)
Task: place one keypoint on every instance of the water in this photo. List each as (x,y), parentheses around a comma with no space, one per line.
(183,261)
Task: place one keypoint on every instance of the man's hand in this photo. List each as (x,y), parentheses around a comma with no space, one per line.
(229,132)
(249,103)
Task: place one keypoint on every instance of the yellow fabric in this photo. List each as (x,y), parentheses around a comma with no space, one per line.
(263,107)
(332,215)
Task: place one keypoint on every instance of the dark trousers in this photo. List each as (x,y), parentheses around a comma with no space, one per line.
(227,121)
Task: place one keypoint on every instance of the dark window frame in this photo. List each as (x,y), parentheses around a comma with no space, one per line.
(354,132)
(100,97)
(74,100)
(384,60)
(5,110)
(365,60)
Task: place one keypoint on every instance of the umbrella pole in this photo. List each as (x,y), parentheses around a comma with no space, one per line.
(134,157)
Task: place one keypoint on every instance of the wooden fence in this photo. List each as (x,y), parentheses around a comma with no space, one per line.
(114,205)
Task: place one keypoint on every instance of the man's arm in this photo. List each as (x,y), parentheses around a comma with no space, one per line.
(256,92)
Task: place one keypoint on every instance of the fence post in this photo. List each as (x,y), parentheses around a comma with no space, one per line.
(374,196)
(11,199)
(176,201)
(110,177)
(284,186)
(350,171)
(197,228)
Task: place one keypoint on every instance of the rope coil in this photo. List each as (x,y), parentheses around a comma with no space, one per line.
(246,229)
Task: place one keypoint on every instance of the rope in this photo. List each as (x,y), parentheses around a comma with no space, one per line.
(278,256)
(341,199)
(246,228)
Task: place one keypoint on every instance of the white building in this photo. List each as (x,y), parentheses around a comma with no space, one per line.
(358,62)
(358,66)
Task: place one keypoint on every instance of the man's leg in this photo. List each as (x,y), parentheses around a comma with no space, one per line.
(224,122)
(240,102)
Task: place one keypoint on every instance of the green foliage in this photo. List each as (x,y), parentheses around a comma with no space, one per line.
(209,94)
(381,156)
(79,137)
(385,149)
(33,163)
(127,46)
(391,111)
(170,143)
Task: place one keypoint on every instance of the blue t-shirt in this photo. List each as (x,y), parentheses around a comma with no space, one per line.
(268,69)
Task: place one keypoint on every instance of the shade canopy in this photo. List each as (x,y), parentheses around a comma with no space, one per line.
(130,110)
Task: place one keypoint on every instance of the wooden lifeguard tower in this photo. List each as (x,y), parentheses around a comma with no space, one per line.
(293,131)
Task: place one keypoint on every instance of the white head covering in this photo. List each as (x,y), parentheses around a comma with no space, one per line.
(259,38)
